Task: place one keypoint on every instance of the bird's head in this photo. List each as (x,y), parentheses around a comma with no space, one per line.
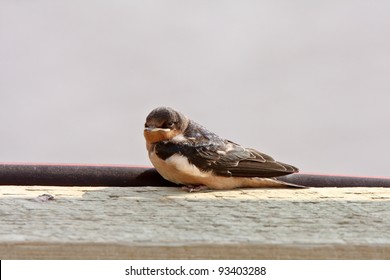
(164,123)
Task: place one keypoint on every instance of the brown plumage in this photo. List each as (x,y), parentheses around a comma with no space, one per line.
(186,153)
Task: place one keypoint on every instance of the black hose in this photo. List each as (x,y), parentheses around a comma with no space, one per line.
(126,176)
(79,175)
(335,181)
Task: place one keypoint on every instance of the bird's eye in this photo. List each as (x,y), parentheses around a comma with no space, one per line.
(169,124)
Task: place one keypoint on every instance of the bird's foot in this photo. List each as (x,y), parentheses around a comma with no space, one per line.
(191,188)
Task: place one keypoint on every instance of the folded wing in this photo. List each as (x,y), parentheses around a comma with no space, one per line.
(229,159)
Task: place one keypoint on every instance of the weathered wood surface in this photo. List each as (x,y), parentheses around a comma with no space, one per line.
(168,223)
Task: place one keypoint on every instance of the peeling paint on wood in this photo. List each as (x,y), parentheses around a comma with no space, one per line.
(168,223)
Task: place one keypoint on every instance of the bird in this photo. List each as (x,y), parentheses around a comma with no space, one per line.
(186,153)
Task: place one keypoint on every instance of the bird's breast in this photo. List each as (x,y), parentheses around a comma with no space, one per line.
(178,169)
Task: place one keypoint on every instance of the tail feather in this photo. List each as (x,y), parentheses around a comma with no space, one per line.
(291,185)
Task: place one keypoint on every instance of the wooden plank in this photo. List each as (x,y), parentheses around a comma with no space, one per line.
(168,223)
(211,251)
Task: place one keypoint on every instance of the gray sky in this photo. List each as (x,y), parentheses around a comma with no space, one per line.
(307,82)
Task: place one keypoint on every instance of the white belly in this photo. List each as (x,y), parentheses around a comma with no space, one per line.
(177,169)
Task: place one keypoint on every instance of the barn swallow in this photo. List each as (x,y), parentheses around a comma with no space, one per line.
(186,153)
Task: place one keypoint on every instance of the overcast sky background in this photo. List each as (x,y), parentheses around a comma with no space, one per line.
(307,82)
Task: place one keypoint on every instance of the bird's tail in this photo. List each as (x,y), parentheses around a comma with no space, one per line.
(289,185)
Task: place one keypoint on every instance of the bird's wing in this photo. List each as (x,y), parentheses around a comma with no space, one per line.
(227,159)
(252,163)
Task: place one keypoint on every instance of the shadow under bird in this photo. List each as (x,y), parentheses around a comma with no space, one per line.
(186,153)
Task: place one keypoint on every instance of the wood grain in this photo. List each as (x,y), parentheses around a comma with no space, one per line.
(168,223)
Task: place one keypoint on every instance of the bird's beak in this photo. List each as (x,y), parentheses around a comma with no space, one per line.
(155,129)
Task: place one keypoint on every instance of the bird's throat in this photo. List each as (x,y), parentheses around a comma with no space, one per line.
(154,136)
